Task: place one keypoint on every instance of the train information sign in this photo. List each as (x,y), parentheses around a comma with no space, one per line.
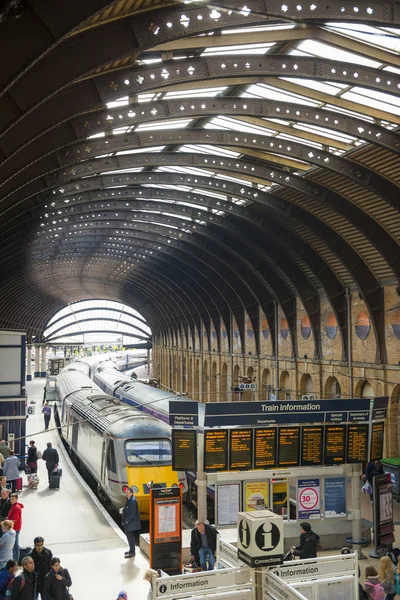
(184,450)
(335,444)
(377,434)
(216,450)
(357,443)
(241,449)
(288,446)
(311,447)
(265,448)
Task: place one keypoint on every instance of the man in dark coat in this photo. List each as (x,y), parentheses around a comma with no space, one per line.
(5,504)
(131,520)
(41,557)
(57,581)
(50,455)
(203,543)
(24,586)
(308,542)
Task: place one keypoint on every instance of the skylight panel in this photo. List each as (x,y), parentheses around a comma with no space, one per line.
(371,35)
(293,138)
(257,49)
(278,121)
(206,149)
(185,170)
(96,135)
(261,90)
(374,99)
(123,171)
(256,29)
(146,97)
(233,179)
(320,86)
(165,186)
(172,124)
(350,113)
(120,102)
(141,150)
(326,51)
(212,194)
(196,93)
(237,125)
(121,130)
(335,135)
(392,70)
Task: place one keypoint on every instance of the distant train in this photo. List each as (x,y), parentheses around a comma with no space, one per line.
(117,444)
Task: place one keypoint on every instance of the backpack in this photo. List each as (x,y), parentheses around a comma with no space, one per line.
(377,592)
(397,583)
(8,592)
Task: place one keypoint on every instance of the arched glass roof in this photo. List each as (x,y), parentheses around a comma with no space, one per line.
(90,316)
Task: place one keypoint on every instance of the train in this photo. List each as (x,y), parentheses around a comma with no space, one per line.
(118,445)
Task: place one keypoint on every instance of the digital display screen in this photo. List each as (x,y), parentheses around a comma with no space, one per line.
(265,448)
(335,438)
(378,430)
(311,449)
(240,449)
(216,450)
(357,443)
(288,446)
(184,450)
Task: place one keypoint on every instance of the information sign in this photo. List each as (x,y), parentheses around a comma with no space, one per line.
(184,450)
(357,443)
(241,449)
(335,446)
(311,448)
(377,434)
(288,446)
(166,529)
(308,496)
(216,450)
(183,413)
(335,497)
(228,503)
(265,448)
(256,495)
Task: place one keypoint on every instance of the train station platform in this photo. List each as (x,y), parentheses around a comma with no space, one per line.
(74,524)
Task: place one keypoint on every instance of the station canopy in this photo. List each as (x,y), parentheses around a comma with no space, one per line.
(194,158)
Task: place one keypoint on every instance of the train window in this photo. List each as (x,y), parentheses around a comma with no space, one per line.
(111,463)
(148,452)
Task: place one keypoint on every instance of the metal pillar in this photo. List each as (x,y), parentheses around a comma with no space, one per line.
(201,479)
(356,512)
(43,365)
(37,360)
(29,363)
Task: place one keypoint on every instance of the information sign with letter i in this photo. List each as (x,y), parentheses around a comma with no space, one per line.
(166,529)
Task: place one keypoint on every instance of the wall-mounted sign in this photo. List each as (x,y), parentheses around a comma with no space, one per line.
(183,413)
(309,499)
(335,497)
(184,450)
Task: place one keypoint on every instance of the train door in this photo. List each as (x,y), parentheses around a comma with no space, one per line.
(108,462)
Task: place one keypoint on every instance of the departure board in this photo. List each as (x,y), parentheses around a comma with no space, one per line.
(184,450)
(241,449)
(216,450)
(265,448)
(311,448)
(377,433)
(357,443)
(335,445)
(288,446)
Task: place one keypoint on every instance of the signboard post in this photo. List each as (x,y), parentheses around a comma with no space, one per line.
(260,538)
(166,529)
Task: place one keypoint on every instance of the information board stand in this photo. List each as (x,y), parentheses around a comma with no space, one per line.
(383,515)
(166,529)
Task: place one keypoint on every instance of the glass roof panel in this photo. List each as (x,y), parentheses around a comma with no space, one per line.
(327,51)
(205,149)
(261,90)
(196,93)
(320,86)
(371,35)
(374,99)
(257,49)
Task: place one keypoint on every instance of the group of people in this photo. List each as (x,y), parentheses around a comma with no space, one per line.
(42,574)
(381,584)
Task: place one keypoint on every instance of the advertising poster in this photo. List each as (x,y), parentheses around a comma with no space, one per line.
(309,499)
(256,495)
(228,503)
(335,497)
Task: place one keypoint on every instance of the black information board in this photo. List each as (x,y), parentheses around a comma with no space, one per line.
(240,449)
(265,448)
(335,445)
(288,446)
(311,447)
(377,433)
(216,450)
(357,443)
(184,450)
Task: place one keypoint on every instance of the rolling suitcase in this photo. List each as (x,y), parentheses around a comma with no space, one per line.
(55,481)
(18,484)
(33,481)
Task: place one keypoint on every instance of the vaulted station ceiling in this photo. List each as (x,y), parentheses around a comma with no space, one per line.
(193,158)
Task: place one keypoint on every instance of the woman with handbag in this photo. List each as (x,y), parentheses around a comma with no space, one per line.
(32,457)
(57,582)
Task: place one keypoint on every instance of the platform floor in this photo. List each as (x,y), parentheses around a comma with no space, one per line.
(74,524)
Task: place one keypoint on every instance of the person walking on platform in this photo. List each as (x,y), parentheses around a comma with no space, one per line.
(7,542)
(24,586)
(4,449)
(15,514)
(131,521)
(57,581)
(203,543)
(308,542)
(32,457)
(50,456)
(11,471)
(42,558)
(6,576)
(47,415)
(5,504)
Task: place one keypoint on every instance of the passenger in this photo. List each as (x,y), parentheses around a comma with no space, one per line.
(7,542)
(32,457)
(15,514)
(148,576)
(386,577)
(57,581)
(308,542)
(3,482)
(5,504)
(372,582)
(50,456)
(122,595)
(11,471)
(203,543)
(6,575)
(4,449)
(47,415)
(41,557)
(131,521)
(2,459)
(25,590)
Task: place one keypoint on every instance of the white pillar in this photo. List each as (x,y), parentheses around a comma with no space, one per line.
(43,362)
(29,362)
(37,360)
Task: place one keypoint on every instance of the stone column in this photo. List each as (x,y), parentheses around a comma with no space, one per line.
(29,362)
(43,362)
(37,360)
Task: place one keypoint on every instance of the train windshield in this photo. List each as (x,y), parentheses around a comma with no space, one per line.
(148,452)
